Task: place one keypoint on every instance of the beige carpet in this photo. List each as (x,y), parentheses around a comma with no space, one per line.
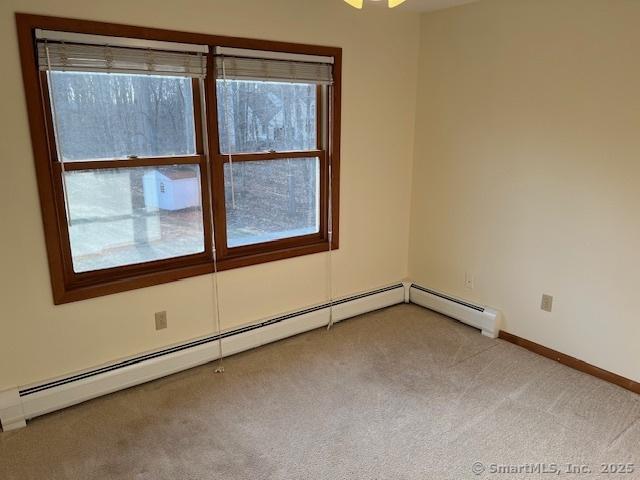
(402,393)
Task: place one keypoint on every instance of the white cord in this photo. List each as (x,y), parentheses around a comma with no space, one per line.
(216,294)
(228,128)
(216,290)
(330,256)
(330,236)
(55,133)
(215,298)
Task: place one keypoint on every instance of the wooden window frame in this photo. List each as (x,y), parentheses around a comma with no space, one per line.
(238,253)
(68,286)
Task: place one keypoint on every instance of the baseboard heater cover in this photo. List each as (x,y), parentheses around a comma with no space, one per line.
(20,404)
(479,316)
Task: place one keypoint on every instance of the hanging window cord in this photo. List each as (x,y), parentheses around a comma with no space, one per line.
(330,255)
(227,115)
(215,298)
(215,287)
(53,117)
(330,235)
(264,70)
(227,122)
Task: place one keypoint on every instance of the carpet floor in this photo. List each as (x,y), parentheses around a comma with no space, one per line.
(402,393)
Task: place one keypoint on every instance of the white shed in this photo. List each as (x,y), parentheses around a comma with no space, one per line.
(171,188)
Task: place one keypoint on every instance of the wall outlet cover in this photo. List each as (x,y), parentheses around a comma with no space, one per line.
(547,303)
(468,280)
(161,320)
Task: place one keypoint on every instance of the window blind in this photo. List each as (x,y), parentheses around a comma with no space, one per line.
(239,64)
(64,56)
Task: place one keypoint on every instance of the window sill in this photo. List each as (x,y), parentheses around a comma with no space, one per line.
(142,280)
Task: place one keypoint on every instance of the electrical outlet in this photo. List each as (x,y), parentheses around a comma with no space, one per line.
(547,303)
(468,280)
(161,320)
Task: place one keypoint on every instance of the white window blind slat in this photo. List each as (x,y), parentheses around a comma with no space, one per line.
(98,58)
(237,68)
(89,39)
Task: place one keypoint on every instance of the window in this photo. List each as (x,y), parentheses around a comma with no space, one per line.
(264,116)
(126,216)
(134,214)
(111,115)
(272,199)
(154,153)
(267,197)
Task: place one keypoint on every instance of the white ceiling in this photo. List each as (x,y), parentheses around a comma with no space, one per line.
(424,5)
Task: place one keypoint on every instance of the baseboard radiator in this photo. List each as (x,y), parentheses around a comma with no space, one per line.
(479,316)
(23,403)
(20,404)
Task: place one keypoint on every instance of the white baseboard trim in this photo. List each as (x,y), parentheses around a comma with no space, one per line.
(20,404)
(485,318)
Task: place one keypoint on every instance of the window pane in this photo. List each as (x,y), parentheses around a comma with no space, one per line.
(108,115)
(264,116)
(133,215)
(273,199)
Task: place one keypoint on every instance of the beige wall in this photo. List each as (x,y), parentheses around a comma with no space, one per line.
(527,169)
(39,340)
(525,174)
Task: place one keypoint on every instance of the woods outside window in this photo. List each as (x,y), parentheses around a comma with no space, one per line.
(154,149)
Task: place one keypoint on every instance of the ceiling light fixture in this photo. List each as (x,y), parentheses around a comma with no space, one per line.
(359,3)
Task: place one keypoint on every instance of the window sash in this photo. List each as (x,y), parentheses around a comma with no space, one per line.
(89,278)
(275,245)
(131,161)
(79,279)
(322,123)
(138,225)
